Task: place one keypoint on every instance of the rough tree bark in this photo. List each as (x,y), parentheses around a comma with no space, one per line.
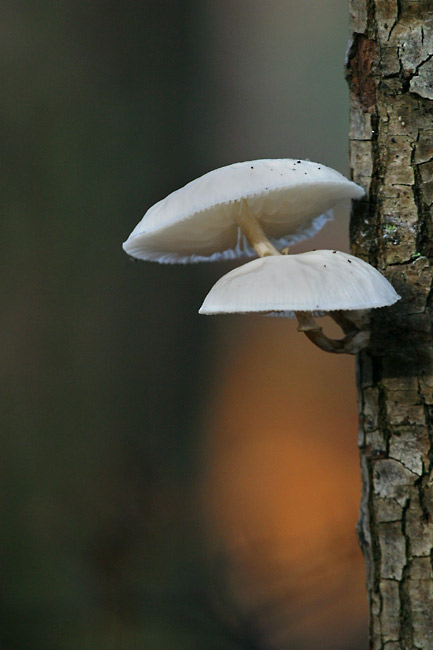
(390,74)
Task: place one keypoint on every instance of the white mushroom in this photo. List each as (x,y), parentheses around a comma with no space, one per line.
(211,217)
(317,281)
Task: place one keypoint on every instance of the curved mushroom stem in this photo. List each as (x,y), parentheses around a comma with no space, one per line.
(253,231)
(356,319)
(355,341)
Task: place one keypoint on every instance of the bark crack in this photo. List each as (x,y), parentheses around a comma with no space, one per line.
(424,240)
(406,625)
(396,20)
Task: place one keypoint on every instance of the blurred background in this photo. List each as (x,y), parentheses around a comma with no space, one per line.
(168,481)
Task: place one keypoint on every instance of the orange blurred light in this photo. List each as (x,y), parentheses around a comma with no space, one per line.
(282,486)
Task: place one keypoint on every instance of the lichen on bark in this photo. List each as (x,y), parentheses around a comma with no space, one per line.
(390,75)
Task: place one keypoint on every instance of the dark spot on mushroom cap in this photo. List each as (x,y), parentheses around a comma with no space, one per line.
(334,251)
(298,161)
(324,266)
(350,262)
(252,167)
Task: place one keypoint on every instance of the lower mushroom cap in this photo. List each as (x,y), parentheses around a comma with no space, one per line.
(322,280)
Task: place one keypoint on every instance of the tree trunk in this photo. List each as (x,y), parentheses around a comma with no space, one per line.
(390,73)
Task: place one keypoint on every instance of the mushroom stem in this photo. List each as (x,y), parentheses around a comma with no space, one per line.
(253,231)
(353,342)
(353,320)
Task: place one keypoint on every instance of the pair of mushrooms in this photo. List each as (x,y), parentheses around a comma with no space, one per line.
(262,207)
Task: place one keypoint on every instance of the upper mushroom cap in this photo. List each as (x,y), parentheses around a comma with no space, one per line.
(315,281)
(291,198)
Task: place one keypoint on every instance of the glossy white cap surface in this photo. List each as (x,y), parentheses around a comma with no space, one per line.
(322,281)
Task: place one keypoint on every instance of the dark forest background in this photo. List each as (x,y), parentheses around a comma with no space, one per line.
(114,534)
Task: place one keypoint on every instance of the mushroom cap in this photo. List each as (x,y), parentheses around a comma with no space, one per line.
(315,281)
(291,198)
